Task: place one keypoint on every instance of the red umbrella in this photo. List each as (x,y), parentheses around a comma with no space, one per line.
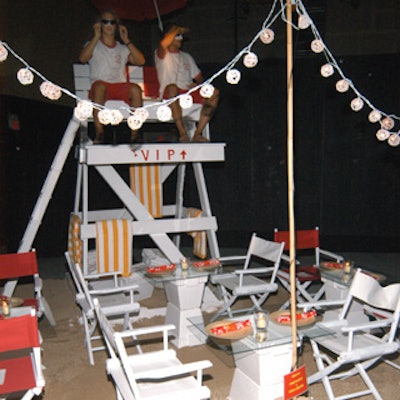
(140,10)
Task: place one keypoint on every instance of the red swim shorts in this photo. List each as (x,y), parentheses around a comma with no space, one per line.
(114,91)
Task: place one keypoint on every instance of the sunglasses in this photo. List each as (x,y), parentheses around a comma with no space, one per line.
(108,21)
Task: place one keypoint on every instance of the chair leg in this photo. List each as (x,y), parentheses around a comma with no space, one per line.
(367,380)
(46,310)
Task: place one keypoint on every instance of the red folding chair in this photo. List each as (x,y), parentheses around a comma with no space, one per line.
(20,359)
(306,273)
(18,265)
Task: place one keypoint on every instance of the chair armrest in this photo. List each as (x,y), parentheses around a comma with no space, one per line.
(332,255)
(254,271)
(113,290)
(114,274)
(368,325)
(174,371)
(322,303)
(146,330)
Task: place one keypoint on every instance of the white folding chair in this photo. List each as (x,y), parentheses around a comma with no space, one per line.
(115,302)
(307,274)
(20,357)
(155,374)
(352,349)
(248,282)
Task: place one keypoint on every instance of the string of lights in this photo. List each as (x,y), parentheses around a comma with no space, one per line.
(84,108)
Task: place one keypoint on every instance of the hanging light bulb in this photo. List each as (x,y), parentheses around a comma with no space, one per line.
(394,139)
(3,53)
(104,116)
(116,117)
(164,113)
(382,134)
(83,110)
(342,85)
(317,46)
(186,101)
(250,60)
(304,21)
(207,91)
(233,76)
(327,70)
(134,122)
(141,113)
(374,116)
(50,90)
(267,36)
(357,104)
(25,76)
(387,123)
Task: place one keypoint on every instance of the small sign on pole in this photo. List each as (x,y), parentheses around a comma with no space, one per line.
(295,383)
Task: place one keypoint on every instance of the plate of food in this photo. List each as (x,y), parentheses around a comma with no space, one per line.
(332,265)
(304,318)
(206,264)
(161,270)
(230,329)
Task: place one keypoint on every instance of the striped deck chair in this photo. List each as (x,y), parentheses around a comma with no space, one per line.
(114,246)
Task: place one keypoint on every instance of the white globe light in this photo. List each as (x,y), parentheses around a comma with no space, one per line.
(304,21)
(382,134)
(342,85)
(387,123)
(105,116)
(394,140)
(83,110)
(317,46)
(233,76)
(134,122)
(207,91)
(141,113)
(250,60)
(3,53)
(357,104)
(267,36)
(186,101)
(50,90)
(327,70)
(25,76)
(116,117)
(374,116)
(164,113)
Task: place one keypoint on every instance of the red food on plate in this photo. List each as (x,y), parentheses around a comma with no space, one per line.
(161,269)
(234,326)
(299,316)
(333,265)
(214,262)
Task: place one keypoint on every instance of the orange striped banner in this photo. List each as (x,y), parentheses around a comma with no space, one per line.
(146,184)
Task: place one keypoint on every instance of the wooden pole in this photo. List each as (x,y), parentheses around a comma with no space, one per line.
(290,177)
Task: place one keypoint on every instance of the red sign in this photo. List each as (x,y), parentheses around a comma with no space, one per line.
(295,383)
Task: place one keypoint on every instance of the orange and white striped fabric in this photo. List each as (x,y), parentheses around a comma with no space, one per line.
(146,184)
(199,237)
(74,239)
(114,246)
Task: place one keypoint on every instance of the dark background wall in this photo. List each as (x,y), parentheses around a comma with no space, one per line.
(346,181)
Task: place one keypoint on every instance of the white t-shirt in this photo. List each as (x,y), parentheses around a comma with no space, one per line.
(109,63)
(176,67)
